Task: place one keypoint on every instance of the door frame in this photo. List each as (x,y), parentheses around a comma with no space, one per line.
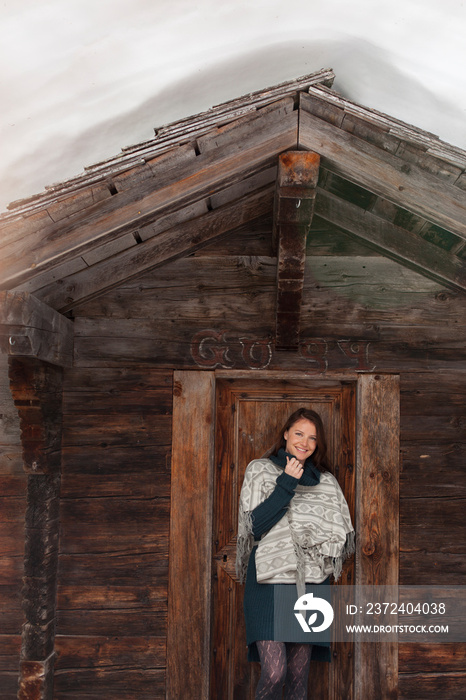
(191,514)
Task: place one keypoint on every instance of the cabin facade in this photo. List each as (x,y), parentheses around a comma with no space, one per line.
(161,314)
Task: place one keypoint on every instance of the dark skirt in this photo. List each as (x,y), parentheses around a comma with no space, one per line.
(260,618)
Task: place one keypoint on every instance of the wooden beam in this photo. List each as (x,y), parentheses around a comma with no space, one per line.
(166,246)
(377,508)
(382,173)
(30,328)
(36,388)
(189,597)
(298,172)
(405,247)
(188,177)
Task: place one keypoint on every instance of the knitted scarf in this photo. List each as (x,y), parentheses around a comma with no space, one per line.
(310,475)
(311,541)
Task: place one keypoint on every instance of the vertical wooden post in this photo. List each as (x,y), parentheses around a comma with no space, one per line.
(190,552)
(36,388)
(377,507)
(298,173)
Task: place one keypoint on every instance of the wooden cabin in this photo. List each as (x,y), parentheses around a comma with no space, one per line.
(161,314)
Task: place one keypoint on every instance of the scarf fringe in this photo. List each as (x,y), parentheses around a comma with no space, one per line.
(244,543)
(348,549)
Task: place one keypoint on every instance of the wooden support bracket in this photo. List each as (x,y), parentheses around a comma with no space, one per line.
(30,328)
(297,176)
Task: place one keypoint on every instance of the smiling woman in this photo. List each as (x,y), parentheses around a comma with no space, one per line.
(294,530)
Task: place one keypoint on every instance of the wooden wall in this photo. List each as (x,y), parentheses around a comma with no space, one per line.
(113,564)
(216,309)
(432,522)
(13,486)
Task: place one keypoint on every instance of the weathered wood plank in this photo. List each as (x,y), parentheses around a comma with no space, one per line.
(191,523)
(11,457)
(11,599)
(122,214)
(405,132)
(395,242)
(99,684)
(11,622)
(10,648)
(13,485)
(143,483)
(11,570)
(110,598)
(12,539)
(111,430)
(88,382)
(432,686)
(230,137)
(101,652)
(450,427)
(30,328)
(125,525)
(114,568)
(438,658)
(426,525)
(383,173)
(433,470)
(12,509)
(52,275)
(245,186)
(115,460)
(377,491)
(155,251)
(9,684)
(143,624)
(427,161)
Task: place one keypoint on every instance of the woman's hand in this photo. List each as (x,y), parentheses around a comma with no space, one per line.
(293,467)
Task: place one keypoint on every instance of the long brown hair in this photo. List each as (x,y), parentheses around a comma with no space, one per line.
(319,457)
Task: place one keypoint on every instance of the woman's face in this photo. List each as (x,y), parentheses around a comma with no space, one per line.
(301,439)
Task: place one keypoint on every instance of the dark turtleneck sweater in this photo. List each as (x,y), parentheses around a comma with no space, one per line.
(270,511)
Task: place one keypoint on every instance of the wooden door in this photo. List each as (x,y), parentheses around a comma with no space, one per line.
(248,414)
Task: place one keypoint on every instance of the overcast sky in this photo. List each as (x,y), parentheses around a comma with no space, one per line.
(83,78)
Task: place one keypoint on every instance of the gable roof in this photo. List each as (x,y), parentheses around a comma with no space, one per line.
(397,188)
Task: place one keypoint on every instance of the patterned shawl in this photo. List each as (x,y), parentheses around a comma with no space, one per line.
(310,542)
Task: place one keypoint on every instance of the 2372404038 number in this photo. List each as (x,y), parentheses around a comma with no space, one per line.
(394,608)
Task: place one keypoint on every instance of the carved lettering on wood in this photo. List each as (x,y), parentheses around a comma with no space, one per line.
(211,349)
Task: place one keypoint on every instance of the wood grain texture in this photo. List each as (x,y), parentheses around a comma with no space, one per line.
(383,173)
(297,177)
(190,524)
(157,250)
(432,686)
(438,658)
(30,328)
(395,242)
(377,497)
(113,563)
(128,211)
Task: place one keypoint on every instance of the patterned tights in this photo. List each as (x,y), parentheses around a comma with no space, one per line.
(283,663)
